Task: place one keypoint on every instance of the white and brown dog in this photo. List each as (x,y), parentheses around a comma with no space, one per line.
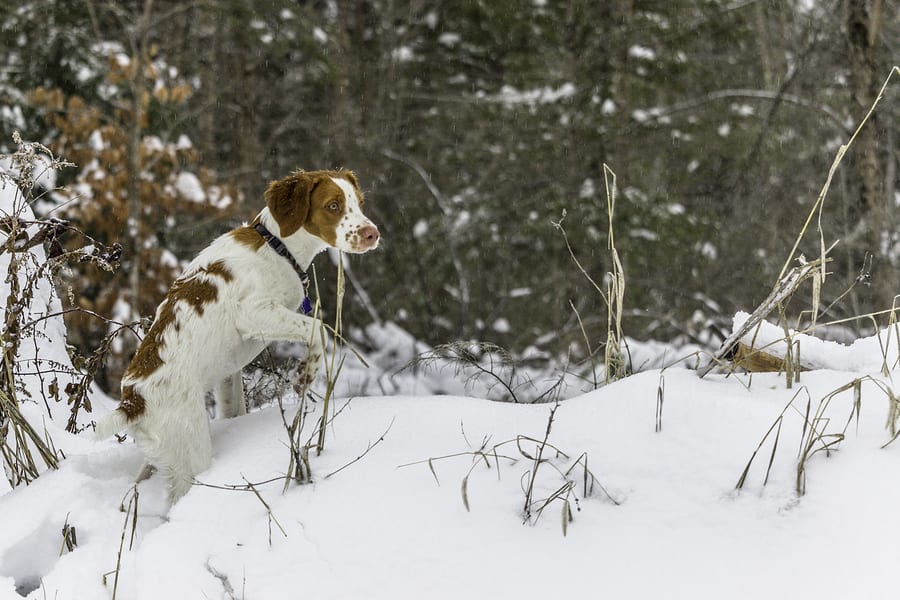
(240,293)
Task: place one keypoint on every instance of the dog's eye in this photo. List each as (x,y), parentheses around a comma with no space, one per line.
(334,206)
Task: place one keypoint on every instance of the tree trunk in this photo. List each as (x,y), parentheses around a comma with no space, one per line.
(867,208)
(140,57)
(863,26)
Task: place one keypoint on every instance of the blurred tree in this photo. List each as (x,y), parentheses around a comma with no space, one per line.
(472,124)
(129,187)
(871,230)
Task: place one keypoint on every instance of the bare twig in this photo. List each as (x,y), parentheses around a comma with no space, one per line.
(269,514)
(368,449)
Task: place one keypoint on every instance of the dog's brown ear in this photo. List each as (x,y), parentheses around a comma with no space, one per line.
(351,177)
(288,201)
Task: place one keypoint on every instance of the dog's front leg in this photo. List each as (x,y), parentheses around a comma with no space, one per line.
(229,395)
(269,322)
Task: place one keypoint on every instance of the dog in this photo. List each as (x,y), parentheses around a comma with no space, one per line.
(239,294)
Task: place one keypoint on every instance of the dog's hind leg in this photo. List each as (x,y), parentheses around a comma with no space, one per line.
(180,448)
(229,396)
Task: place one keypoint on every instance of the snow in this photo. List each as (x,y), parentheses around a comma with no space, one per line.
(189,187)
(707,250)
(12,115)
(403,54)
(379,529)
(153,144)
(501,325)
(642,52)
(643,233)
(420,229)
(876,353)
(588,189)
(96,142)
(41,354)
(511,96)
(449,39)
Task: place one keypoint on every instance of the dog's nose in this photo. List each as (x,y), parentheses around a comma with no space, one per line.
(369,234)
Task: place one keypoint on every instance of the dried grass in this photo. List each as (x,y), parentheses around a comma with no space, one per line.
(547,466)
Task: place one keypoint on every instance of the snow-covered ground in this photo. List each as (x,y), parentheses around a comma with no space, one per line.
(672,525)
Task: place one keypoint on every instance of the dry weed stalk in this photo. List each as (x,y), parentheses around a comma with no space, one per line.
(893,329)
(817,208)
(544,455)
(816,437)
(660,399)
(776,428)
(531,475)
(69,537)
(786,287)
(614,296)
(369,448)
(18,459)
(299,468)
(587,344)
(333,366)
(270,516)
(893,418)
(22,234)
(131,515)
(482,360)
(789,280)
(615,291)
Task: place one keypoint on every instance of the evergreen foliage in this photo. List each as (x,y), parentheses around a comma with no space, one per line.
(473,125)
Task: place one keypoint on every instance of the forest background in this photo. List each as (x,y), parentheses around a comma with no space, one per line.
(474,127)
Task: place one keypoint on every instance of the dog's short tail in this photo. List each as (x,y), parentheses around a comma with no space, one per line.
(114,422)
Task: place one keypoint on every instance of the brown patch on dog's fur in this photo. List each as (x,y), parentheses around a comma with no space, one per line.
(295,200)
(351,177)
(218,269)
(288,201)
(247,236)
(323,221)
(132,404)
(194,290)
(146,360)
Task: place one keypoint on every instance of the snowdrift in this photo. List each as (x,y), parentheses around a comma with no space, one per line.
(669,522)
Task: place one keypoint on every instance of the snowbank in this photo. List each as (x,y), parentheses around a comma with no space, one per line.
(870,354)
(43,344)
(377,529)
(398,364)
(42,369)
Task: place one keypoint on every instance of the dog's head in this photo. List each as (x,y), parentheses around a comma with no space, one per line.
(327,204)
